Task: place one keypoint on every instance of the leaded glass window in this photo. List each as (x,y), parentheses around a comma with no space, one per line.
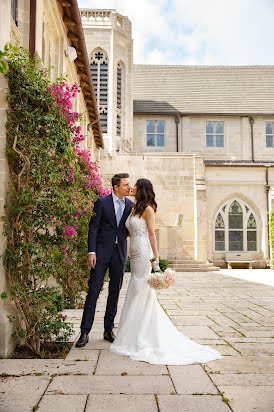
(235,228)
(251,233)
(269,134)
(156,133)
(14,11)
(99,72)
(219,233)
(119,98)
(215,134)
(235,216)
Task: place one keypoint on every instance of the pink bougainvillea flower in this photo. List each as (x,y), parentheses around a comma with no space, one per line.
(69,231)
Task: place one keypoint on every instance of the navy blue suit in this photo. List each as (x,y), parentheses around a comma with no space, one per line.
(102,235)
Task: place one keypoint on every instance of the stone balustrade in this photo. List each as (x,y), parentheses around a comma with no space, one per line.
(101,16)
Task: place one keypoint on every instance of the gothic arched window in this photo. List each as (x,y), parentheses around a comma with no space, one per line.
(99,72)
(235,227)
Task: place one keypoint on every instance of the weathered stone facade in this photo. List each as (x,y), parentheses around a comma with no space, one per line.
(192,180)
(108,32)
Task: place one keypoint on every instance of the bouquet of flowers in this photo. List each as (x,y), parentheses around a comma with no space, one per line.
(161,280)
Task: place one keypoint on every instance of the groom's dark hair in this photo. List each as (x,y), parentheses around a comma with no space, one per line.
(116,180)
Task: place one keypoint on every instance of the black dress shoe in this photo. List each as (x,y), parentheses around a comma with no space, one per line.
(109,335)
(82,341)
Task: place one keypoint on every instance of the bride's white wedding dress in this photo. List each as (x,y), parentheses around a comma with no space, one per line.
(145,332)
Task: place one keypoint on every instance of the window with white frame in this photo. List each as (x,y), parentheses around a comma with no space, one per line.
(214,134)
(235,228)
(155,133)
(269,134)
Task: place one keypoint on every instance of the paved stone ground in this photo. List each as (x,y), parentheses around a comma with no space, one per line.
(233,315)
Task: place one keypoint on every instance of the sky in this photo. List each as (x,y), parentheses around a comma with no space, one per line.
(206,32)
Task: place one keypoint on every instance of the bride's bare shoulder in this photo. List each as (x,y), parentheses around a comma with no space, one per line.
(149,211)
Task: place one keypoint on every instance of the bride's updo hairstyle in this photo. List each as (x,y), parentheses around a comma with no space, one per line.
(145,196)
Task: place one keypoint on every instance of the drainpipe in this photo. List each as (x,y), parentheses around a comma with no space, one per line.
(32,28)
(251,121)
(267,188)
(177,132)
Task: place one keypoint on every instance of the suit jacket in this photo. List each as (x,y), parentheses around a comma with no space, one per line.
(103,230)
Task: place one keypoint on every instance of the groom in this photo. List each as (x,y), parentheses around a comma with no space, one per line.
(107,248)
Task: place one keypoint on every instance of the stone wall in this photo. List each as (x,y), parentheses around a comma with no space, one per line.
(140,132)
(247,184)
(173,178)
(192,192)
(192,137)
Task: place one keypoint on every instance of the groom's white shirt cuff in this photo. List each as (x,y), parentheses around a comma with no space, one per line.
(91,253)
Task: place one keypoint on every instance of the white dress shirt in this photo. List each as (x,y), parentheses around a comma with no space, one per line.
(116,205)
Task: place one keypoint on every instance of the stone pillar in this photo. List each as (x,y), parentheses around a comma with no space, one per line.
(245,139)
(201,210)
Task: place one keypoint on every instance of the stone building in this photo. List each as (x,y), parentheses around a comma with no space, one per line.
(52,32)
(203,135)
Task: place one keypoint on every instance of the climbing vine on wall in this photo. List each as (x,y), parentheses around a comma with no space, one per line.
(52,190)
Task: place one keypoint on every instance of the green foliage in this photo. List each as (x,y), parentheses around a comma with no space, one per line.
(3,57)
(128,269)
(162,263)
(4,295)
(49,203)
(272,237)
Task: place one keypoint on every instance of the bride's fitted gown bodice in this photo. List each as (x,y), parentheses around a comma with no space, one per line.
(145,332)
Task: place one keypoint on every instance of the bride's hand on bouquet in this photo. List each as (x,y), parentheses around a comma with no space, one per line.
(155,265)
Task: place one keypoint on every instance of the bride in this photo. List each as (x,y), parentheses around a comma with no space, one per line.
(145,332)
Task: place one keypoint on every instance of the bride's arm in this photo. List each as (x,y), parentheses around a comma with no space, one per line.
(149,216)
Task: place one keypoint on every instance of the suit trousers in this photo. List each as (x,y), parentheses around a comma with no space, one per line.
(116,274)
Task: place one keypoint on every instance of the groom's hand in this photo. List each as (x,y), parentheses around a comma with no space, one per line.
(91,261)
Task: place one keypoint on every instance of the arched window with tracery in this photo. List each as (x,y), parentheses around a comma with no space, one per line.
(99,72)
(235,228)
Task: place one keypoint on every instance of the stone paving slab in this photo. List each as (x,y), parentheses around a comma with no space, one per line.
(260,332)
(110,363)
(225,350)
(46,366)
(63,403)
(246,379)
(249,349)
(20,394)
(247,364)
(197,332)
(191,379)
(87,355)
(192,403)
(121,403)
(249,399)
(191,320)
(110,385)
(95,343)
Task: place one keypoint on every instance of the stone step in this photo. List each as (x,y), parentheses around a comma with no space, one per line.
(191,264)
(195,269)
(182,261)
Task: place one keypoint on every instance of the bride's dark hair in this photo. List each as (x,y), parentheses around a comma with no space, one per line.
(145,196)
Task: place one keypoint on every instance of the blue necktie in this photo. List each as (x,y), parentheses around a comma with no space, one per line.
(119,212)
